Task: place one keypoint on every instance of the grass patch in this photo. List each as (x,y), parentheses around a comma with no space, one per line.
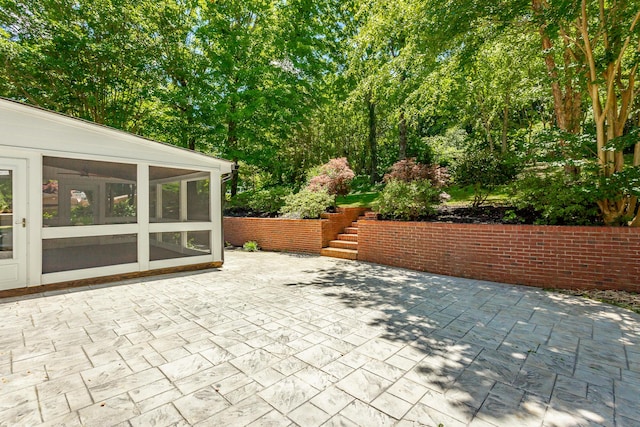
(464,195)
(460,196)
(357,200)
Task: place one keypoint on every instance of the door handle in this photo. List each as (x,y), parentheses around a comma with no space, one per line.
(23,222)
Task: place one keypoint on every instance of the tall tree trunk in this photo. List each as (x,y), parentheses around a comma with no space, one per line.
(636,150)
(373,141)
(402,127)
(232,142)
(567,105)
(505,123)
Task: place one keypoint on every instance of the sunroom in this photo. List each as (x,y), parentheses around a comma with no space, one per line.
(80,201)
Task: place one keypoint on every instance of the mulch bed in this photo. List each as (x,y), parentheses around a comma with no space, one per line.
(628,300)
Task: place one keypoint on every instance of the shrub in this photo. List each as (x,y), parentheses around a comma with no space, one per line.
(557,198)
(306,204)
(409,170)
(407,200)
(269,200)
(447,148)
(124,209)
(362,184)
(265,201)
(334,177)
(484,171)
(251,246)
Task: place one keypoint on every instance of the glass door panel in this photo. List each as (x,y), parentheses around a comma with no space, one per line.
(6,214)
(13,223)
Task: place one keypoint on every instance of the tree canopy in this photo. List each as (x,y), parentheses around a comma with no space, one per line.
(283,86)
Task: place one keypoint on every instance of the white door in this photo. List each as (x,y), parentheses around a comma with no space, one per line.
(13,225)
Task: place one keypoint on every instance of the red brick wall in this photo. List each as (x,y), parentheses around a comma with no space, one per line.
(337,222)
(276,234)
(544,256)
(289,235)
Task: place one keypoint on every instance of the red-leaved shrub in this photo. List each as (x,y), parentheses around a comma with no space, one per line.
(334,177)
(408,170)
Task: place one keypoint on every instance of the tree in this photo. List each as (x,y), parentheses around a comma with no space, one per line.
(89,59)
(602,40)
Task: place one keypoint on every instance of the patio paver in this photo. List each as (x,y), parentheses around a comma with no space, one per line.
(277,339)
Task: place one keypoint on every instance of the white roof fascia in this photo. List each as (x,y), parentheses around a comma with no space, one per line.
(34,128)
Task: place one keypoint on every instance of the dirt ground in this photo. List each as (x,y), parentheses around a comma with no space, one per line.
(622,299)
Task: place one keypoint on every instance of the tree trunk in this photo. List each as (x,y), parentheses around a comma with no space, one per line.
(567,105)
(636,148)
(487,130)
(505,123)
(402,127)
(232,142)
(373,141)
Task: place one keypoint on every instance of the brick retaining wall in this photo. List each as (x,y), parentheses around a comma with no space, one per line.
(275,234)
(289,235)
(544,256)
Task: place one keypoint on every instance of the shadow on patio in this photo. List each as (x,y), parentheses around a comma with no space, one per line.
(505,354)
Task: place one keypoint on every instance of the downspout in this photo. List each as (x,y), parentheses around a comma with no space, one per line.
(223,190)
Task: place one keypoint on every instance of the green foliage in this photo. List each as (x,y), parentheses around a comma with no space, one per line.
(253,178)
(124,209)
(407,200)
(465,195)
(306,204)
(447,148)
(82,215)
(5,195)
(484,171)
(93,59)
(558,198)
(269,200)
(251,246)
(265,201)
(362,184)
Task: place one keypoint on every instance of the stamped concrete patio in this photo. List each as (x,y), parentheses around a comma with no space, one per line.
(274,339)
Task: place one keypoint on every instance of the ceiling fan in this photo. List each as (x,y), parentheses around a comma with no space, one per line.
(85,173)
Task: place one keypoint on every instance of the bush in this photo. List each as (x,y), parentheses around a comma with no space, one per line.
(334,177)
(448,148)
(557,198)
(269,200)
(407,200)
(306,204)
(484,171)
(265,201)
(124,209)
(251,246)
(409,170)
(362,184)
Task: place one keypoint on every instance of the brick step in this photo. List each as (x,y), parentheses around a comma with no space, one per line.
(354,224)
(340,253)
(351,230)
(343,244)
(349,237)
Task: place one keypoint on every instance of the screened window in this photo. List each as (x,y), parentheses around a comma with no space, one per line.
(86,192)
(6,214)
(178,195)
(179,244)
(88,252)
